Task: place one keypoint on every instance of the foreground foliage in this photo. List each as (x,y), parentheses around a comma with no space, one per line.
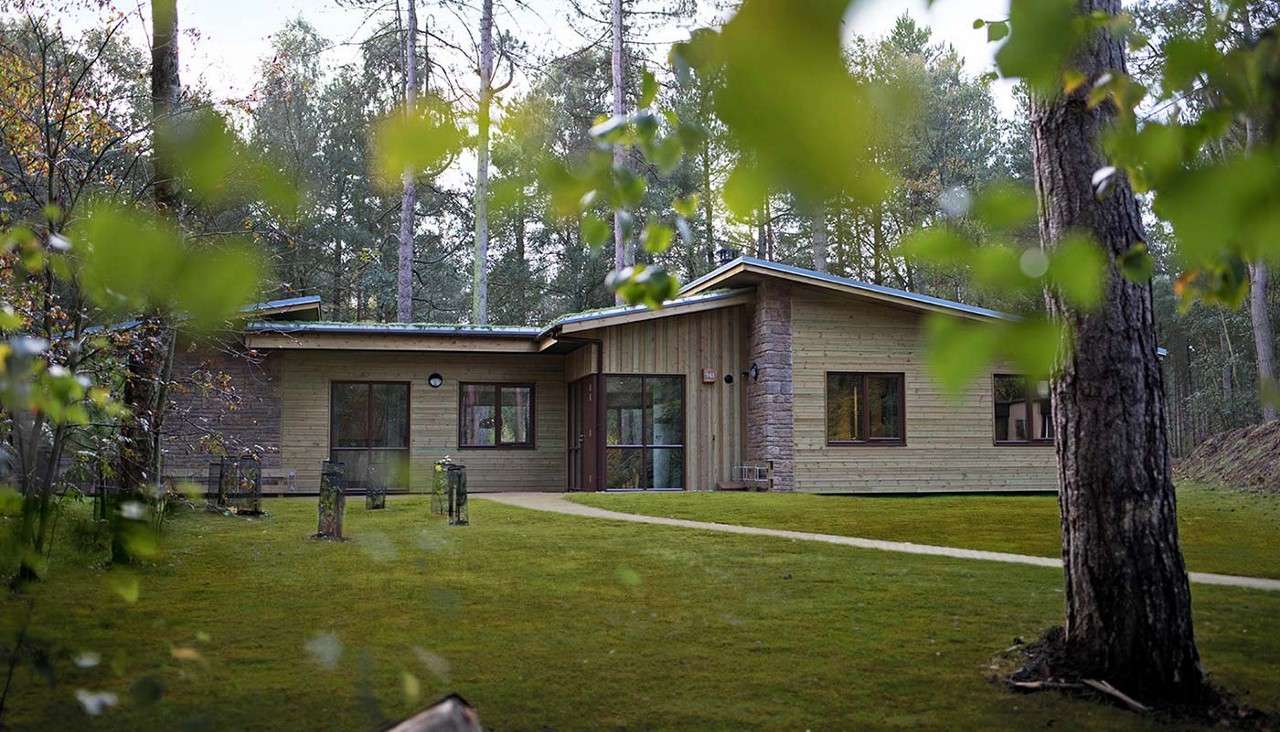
(535,618)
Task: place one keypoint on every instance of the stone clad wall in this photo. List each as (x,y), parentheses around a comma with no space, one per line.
(221,400)
(770,398)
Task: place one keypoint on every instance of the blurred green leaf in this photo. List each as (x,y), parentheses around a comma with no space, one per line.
(958,351)
(744,190)
(595,231)
(790,102)
(644,285)
(657,238)
(939,245)
(1136,264)
(1185,60)
(1005,206)
(1043,34)
(648,89)
(686,206)
(997,30)
(1078,270)
(1033,345)
(415,140)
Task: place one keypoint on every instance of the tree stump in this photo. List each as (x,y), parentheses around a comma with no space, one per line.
(333,501)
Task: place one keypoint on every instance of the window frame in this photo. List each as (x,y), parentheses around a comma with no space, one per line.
(645,447)
(1029,392)
(368,427)
(864,420)
(498,444)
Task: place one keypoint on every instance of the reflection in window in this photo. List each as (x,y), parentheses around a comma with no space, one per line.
(865,408)
(369,432)
(495,415)
(1023,410)
(644,432)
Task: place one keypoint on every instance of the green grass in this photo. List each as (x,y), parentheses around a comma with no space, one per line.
(549,621)
(1223,531)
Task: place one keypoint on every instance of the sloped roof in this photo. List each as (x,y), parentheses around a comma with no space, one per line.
(744,270)
(621,313)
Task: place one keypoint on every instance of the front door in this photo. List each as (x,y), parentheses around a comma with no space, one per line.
(583,435)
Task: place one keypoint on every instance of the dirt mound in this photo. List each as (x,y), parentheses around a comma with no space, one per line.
(1247,458)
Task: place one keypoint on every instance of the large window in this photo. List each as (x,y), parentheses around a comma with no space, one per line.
(644,432)
(865,409)
(495,415)
(369,432)
(1023,410)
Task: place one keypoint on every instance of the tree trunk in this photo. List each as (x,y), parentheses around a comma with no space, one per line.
(819,223)
(480,282)
(150,353)
(708,222)
(409,197)
(1264,340)
(619,108)
(1128,618)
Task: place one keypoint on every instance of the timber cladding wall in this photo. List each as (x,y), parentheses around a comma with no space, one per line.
(685,345)
(304,378)
(220,401)
(948,442)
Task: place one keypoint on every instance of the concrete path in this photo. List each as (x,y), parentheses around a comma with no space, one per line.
(557,503)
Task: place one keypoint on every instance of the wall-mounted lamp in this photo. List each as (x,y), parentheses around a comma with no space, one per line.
(435,381)
(753,372)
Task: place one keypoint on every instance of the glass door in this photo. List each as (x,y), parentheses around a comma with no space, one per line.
(644,432)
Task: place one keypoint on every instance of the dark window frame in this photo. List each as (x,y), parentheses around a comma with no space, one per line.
(645,447)
(368,428)
(498,444)
(864,419)
(1029,391)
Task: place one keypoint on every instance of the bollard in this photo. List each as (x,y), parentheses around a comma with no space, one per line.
(458,495)
(333,501)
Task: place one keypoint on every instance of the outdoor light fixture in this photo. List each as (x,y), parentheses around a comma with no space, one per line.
(435,380)
(753,372)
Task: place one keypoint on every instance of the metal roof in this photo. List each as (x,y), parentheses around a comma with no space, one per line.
(823,277)
(288,302)
(628,309)
(443,329)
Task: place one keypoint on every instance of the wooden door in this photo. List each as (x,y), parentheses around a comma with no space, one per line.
(584,435)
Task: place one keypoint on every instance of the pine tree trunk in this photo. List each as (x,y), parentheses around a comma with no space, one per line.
(819,223)
(409,197)
(708,211)
(480,280)
(619,108)
(1264,339)
(1128,618)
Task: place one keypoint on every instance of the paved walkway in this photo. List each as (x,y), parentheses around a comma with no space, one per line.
(557,503)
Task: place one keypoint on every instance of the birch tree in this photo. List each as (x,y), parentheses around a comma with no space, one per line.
(480,281)
(619,109)
(409,195)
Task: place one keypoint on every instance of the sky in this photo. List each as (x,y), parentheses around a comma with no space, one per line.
(233,36)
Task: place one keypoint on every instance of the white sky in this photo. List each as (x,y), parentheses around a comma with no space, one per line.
(234,35)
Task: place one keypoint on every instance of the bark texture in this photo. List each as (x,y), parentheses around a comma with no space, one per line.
(1128,617)
(819,223)
(409,195)
(619,108)
(480,278)
(1264,339)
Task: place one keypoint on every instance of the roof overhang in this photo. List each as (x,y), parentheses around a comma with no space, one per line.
(302,336)
(749,271)
(608,317)
(306,307)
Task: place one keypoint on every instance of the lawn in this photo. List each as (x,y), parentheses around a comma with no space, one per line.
(558,622)
(1224,531)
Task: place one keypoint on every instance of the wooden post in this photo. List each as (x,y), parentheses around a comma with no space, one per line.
(333,501)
